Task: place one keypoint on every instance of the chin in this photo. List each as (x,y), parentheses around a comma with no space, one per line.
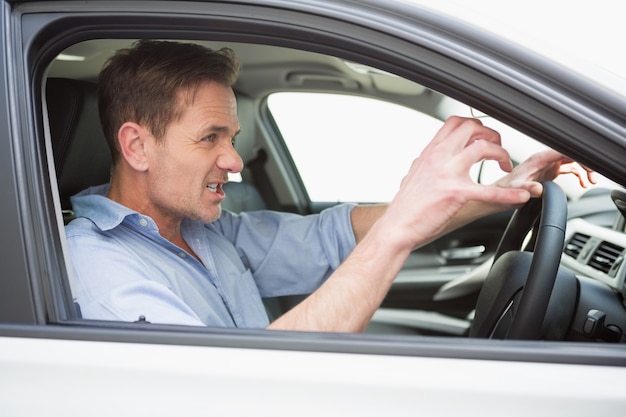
(215,214)
(206,214)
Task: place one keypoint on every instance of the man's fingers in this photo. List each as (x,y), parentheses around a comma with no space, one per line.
(446,130)
(499,195)
(459,132)
(480,150)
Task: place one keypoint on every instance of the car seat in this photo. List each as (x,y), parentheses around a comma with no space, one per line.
(81,154)
(244,196)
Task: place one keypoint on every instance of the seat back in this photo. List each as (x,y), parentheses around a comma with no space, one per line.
(81,154)
(244,196)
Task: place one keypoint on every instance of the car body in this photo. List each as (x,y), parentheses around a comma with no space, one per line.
(416,356)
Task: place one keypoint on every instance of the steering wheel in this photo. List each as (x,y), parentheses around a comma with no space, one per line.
(514,299)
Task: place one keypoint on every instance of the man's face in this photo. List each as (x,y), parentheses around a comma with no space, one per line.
(188,168)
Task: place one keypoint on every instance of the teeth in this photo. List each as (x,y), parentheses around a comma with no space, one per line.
(212,187)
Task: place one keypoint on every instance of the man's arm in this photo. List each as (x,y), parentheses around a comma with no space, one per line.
(437,188)
(363,218)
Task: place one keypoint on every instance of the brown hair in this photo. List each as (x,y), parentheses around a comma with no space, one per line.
(144,84)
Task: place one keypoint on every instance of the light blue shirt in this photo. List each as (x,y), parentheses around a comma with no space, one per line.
(124,269)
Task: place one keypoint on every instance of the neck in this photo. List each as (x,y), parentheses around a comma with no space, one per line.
(126,191)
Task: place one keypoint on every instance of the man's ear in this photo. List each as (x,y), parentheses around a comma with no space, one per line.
(131,138)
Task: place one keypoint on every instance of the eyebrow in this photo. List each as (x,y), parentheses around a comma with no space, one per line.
(220,129)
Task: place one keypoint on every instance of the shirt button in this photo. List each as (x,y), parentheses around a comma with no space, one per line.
(143,222)
(182,255)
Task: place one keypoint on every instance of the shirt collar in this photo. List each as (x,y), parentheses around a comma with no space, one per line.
(94,204)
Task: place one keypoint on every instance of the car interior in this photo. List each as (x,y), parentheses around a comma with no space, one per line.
(440,286)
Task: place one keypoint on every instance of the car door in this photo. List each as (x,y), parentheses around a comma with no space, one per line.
(53,361)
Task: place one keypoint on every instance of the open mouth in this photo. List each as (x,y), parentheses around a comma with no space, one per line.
(215,188)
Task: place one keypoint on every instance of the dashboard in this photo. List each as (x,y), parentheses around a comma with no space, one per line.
(595,248)
(596,252)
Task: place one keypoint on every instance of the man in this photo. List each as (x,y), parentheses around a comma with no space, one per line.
(154,242)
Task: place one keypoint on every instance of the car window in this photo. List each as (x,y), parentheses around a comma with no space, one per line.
(350,148)
(355,148)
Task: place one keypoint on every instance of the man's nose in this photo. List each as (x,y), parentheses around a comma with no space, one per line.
(229,159)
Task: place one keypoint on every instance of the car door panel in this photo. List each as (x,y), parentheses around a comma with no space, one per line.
(443,260)
(183,378)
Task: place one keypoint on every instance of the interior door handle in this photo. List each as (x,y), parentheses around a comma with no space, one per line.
(463,252)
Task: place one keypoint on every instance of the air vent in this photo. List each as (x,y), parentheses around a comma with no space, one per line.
(605,256)
(575,245)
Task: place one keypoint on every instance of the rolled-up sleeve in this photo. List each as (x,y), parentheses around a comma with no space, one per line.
(290,253)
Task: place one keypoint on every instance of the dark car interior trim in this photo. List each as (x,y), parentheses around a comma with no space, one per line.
(398,345)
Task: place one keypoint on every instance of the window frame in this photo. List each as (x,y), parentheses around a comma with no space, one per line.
(47,29)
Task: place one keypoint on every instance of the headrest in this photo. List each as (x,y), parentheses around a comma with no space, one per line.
(245,140)
(81,154)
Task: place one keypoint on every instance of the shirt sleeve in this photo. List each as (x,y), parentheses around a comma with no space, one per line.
(288,253)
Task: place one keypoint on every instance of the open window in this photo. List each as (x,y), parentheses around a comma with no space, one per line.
(311,139)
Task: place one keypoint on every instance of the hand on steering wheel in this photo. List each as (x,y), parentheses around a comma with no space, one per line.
(514,300)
